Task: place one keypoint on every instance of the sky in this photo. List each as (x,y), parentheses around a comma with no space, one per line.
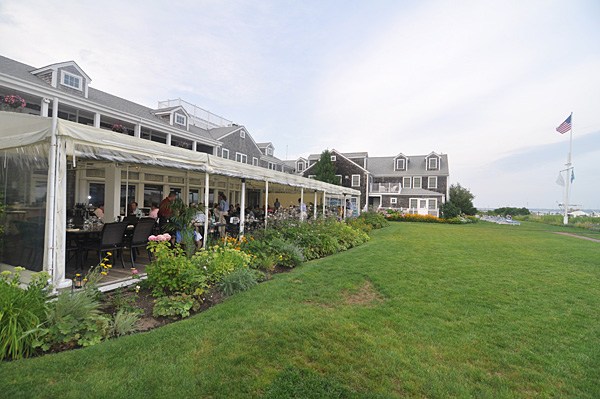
(486,82)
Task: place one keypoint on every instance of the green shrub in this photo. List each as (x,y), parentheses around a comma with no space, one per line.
(218,261)
(176,305)
(239,280)
(124,322)
(21,312)
(289,254)
(171,271)
(74,318)
(373,219)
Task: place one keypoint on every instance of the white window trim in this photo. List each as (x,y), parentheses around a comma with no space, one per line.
(271,166)
(409,182)
(243,157)
(341,177)
(269,151)
(410,203)
(223,151)
(242,134)
(352,183)
(181,116)
(420,180)
(62,79)
(429,167)
(403,164)
(300,166)
(393,200)
(254,161)
(421,202)
(333,158)
(429,185)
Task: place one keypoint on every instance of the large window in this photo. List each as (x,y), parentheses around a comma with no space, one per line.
(130,196)
(406,182)
(71,80)
(432,182)
(432,203)
(433,162)
(413,203)
(96,194)
(243,158)
(271,166)
(152,193)
(416,182)
(194,197)
(355,180)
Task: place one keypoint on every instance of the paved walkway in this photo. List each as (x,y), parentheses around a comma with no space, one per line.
(575,235)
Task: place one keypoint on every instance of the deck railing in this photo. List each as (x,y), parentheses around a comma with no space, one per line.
(385,188)
(198,116)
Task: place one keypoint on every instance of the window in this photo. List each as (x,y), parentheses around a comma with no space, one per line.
(271,166)
(355,180)
(242,134)
(406,182)
(269,151)
(432,182)
(339,177)
(71,80)
(152,193)
(400,164)
(225,153)
(432,203)
(433,163)
(254,161)
(393,200)
(180,119)
(241,157)
(333,158)
(413,203)
(416,182)
(300,166)
(422,204)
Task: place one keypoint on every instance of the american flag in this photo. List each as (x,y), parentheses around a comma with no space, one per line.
(565,126)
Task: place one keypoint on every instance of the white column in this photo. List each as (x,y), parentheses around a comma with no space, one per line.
(137,130)
(206,208)
(301,202)
(194,146)
(44,107)
(97,120)
(168,138)
(266,202)
(60,218)
(344,205)
(324,202)
(315,206)
(243,208)
(112,193)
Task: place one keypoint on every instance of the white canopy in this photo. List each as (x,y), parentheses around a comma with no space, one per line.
(20,130)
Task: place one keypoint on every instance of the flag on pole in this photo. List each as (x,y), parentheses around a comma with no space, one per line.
(559,180)
(572,176)
(565,126)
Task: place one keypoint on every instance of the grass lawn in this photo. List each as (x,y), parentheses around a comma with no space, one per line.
(422,310)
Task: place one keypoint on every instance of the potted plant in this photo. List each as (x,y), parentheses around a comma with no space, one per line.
(12,102)
(118,128)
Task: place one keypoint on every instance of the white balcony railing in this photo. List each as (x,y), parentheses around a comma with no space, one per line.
(198,116)
(385,188)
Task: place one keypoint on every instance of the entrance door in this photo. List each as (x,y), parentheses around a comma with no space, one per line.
(423,210)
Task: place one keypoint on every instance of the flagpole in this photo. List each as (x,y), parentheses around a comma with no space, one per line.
(566,215)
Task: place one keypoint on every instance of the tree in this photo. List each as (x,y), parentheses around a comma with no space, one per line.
(449,210)
(324,169)
(463,199)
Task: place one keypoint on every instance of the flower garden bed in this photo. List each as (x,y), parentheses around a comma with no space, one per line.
(178,285)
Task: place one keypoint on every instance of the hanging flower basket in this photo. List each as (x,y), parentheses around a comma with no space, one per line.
(118,128)
(13,101)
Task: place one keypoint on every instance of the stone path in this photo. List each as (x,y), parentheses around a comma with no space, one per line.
(575,235)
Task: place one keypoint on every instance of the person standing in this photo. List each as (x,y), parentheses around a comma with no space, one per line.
(165,210)
(276,205)
(223,211)
(302,210)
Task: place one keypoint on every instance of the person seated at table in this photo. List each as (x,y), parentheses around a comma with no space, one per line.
(249,213)
(134,210)
(198,223)
(154,210)
(99,212)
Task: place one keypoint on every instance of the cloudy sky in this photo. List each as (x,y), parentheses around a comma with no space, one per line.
(486,82)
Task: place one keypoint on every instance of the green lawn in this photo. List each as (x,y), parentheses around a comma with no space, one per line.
(422,310)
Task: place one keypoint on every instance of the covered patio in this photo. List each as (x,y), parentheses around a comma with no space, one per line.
(50,164)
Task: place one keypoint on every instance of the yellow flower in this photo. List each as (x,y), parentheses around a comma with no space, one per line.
(106,274)
(109,265)
(78,274)
(109,253)
(102,264)
(85,279)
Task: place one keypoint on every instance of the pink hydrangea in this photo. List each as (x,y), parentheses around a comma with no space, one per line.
(160,237)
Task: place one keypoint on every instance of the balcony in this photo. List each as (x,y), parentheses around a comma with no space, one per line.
(385,188)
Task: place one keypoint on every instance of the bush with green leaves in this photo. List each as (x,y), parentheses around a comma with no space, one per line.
(124,322)
(21,312)
(239,280)
(373,219)
(177,305)
(172,271)
(217,261)
(288,254)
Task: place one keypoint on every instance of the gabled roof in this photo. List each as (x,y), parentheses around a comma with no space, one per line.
(54,67)
(23,72)
(265,145)
(336,153)
(384,166)
(220,132)
(401,155)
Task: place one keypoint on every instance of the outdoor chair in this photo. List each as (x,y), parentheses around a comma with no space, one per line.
(143,229)
(111,239)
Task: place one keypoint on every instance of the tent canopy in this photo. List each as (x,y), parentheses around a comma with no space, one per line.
(20,130)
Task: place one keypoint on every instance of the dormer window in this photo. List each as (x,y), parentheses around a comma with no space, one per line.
(300,166)
(71,80)
(269,151)
(400,164)
(180,119)
(242,134)
(433,163)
